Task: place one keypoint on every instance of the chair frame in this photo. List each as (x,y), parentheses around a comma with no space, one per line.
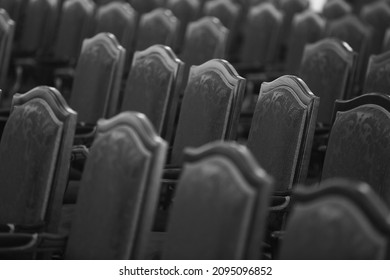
(239,158)
(175,66)
(359,194)
(309,102)
(108,44)
(67,116)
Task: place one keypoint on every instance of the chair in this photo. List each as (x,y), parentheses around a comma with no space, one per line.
(126,181)
(229,13)
(75,25)
(327,67)
(377,15)
(116,204)
(97,79)
(13,8)
(282,130)
(289,9)
(220,207)
(307,27)
(152,87)
(386,41)
(205,39)
(7,29)
(261,37)
(210,108)
(358,35)
(341,220)
(145,6)
(121,20)
(35,43)
(35,153)
(159,26)
(358,142)
(377,74)
(185,11)
(336,9)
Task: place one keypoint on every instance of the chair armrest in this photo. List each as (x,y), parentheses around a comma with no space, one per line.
(85,133)
(280,203)
(64,72)
(79,156)
(171,173)
(19,228)
(26,246)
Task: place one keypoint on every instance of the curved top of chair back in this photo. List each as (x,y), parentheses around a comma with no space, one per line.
(307,27)
(75,25)
(289,8)
(336,9)
(97,78)
(227,11)
(185,11)
(282,130)
(119,190)
(261,37)
(39,18)
(145,6)
(210,106)
(339,220)
(358,35)
(159,26)
(119,19)
(220,205)
(377,14)
(327,67)
(358,142)
(205,39)
(151,86)
(35,152)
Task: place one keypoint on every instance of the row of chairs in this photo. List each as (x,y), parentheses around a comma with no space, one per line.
(220,209)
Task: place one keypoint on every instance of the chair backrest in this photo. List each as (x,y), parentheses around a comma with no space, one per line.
(282,130)
(386,41)
(145,6)
(13,8)
(377,14)
(205,39)
(35,152)
(341,220)
(358,35)
(327,67)
(97,79)
(159,26)
(38,30)
(119,190)
(261,35)
(378,72)
(358,142)
(7,29)
(185,11)
(229,13)
(75,25)
(220,205)
(119,19)
(152,87)
(336,9)
(307,27)
(289,8)
(210,107)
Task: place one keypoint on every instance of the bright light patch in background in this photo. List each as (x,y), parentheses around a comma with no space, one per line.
(317,5)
